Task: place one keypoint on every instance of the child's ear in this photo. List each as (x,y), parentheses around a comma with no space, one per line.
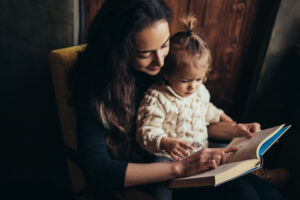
(204,78)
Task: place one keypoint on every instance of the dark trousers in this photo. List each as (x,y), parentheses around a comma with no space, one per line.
(247,187)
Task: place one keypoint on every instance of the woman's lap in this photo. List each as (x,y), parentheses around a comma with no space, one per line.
(247,187)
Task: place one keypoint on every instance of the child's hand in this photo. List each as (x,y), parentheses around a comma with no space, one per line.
(226,118)
(246,130)
(176,148)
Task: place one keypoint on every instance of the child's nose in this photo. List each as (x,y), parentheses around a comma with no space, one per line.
(191,86)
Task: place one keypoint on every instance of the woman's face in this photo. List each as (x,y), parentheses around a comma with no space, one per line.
(151,46)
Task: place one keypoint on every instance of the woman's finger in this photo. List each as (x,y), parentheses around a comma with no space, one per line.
(217,158)
(219,154)
(255,127)
(247,134)
(244,130)
(230,149)
(212,164)
(223,157)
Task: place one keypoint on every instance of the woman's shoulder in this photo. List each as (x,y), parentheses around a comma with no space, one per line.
(87,109)
(156,89)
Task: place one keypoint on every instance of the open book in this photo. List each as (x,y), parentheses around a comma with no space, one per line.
(241,162)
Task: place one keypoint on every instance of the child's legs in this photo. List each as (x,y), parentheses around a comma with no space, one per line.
(160,190)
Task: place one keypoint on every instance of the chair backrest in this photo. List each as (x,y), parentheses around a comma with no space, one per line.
(61,61)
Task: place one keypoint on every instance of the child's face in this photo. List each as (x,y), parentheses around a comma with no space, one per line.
(188,81)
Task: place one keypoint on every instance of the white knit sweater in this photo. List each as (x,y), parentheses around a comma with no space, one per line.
(162,112)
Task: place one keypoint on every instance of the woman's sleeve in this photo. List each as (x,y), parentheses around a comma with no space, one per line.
(99,169)
(150,120)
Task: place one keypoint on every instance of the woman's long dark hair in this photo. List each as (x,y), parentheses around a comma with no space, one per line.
(102,74)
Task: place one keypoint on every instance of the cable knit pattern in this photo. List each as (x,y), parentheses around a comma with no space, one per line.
(162,112)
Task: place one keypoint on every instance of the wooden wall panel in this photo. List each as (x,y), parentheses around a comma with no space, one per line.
(91,8)
(227,26)
(180,9)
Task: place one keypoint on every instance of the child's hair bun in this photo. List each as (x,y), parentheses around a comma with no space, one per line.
(189,22)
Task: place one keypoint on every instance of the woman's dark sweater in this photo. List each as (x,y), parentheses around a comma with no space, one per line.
(100,170)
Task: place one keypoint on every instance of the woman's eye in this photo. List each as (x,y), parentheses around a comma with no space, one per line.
(165,45)
(144,55)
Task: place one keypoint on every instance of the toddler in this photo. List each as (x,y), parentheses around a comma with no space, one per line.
(174,114)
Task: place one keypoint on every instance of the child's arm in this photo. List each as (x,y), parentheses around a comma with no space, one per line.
(150,119)
(174,147)
(149,123)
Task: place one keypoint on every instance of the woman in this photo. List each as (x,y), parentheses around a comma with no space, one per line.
(127,43)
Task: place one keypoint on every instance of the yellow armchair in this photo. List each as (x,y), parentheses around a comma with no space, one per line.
(61,61)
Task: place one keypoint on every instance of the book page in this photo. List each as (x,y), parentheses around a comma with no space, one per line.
(220,169)
(248,147)
(216,176)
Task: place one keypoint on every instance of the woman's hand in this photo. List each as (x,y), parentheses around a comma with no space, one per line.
(175,148)
(227,131)
(207,158)
(245,130)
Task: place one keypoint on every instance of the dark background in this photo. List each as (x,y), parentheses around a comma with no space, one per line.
(33,161)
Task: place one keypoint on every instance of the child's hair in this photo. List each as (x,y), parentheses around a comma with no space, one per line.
(186,48)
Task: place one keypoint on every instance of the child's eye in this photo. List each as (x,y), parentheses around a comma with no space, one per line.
(199,79)
(184,81)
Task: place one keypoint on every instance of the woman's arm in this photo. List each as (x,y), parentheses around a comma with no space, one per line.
(137,174)
(102,172)
(99,169)
(221,131)
(225,118)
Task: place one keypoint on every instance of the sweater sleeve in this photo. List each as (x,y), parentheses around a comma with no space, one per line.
(99,169)
(150,120)
(213,113)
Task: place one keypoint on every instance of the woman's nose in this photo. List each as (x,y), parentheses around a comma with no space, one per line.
(159,58)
